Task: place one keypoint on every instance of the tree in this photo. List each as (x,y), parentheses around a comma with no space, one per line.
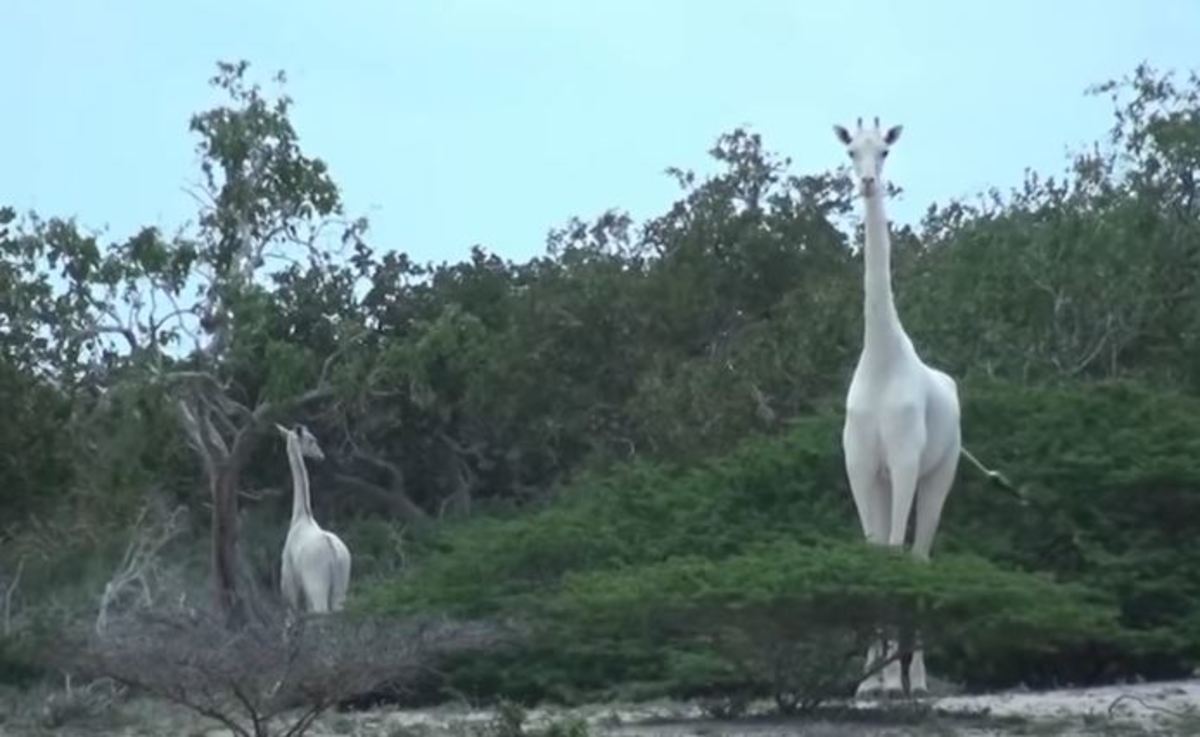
(128,313)
(1090,274)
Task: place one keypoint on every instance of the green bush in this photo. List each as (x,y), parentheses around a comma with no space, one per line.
(793,620)
(785,487)
(1112,472)
(1096,578)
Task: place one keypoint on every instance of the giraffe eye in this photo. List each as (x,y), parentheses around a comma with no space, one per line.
(885,153)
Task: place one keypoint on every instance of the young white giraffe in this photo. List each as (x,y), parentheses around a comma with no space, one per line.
(315,570)
(902,436)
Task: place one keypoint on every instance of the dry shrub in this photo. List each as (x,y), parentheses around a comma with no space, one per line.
(273,676)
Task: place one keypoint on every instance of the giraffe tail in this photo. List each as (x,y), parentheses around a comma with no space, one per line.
(994,476)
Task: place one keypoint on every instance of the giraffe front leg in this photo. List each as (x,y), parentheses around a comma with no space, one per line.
(872,686)
(917,685)
(935,487)
(885,681)
(893,675)
(904,436)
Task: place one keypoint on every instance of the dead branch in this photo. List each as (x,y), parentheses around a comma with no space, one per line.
(195,432)
(271,677)
(215,392)
(395,499)
(9,592)
(97,330)
(140,562)
(333,357)
(1112,707)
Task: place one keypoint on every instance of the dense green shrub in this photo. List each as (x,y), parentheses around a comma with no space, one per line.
(1091,580)
(1112,472)
(793,620)
(784,487)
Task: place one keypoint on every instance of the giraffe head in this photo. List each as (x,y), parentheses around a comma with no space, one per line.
(304,440)
(868,147)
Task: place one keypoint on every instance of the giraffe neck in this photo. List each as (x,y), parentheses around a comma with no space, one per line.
(301,506)
(882,331)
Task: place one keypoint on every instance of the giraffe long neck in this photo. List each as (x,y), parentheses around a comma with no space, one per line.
(301,506)
(881,323)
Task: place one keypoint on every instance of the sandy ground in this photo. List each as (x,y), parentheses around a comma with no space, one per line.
(1171,708)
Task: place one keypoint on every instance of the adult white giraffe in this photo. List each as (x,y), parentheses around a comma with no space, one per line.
(315,570)
(902,436)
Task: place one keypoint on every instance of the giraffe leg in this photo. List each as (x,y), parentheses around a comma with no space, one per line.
(892,675)
(917,685)
(874,512)
(905,436)
(872,685)
(935,487)
(864,471)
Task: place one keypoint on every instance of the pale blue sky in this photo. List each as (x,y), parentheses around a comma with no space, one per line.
(452,123)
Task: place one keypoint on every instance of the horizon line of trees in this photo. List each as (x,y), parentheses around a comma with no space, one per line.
(136,367)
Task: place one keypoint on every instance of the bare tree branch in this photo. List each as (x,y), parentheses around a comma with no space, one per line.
(270,677)
(140,561)
(399,504)
(195,433)
(333,357)
(97,330)
(9,592)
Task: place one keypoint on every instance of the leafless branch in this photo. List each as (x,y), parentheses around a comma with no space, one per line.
(9,592)
(155,324)
(198,377)
(97,330)
(397,502)
(200,196)
(1091,355)
(140,561)
(209,409)
(271,677)
(283,257)
(191,426)
(333,357)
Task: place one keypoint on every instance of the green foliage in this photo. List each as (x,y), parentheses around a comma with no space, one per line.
(780,487)
(35,460)
(1112,475)
(1090,274)
(762,542)
(793,620)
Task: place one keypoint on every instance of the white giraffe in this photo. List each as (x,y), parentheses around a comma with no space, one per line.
(316,563)
(902,435)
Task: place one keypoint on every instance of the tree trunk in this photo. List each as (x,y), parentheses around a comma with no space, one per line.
(225,544)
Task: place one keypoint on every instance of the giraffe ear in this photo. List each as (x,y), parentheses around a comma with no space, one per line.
(893,134)
(842,134)
(282,430)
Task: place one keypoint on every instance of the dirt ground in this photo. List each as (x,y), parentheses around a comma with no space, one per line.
(1171,708)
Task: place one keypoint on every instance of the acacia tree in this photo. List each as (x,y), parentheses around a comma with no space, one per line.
(261,199)
(189,314)
(1088,274)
